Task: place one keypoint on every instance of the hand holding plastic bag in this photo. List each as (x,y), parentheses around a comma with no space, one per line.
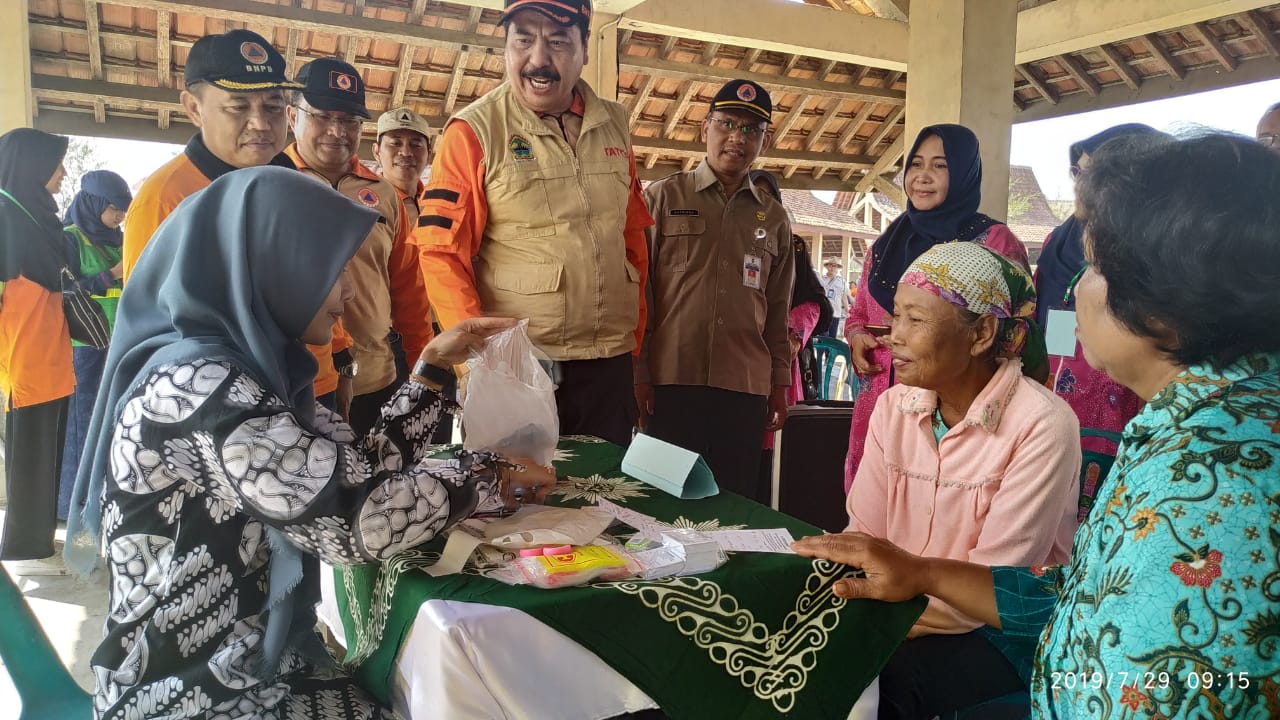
(509,401)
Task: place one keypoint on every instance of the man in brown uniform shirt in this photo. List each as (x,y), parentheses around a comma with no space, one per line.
(715,362)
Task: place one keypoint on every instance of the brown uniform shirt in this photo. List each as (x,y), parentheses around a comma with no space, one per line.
(721,273)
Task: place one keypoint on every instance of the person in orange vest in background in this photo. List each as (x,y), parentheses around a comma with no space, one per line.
(533,210)
(235,85)
(36,373)
(327,115)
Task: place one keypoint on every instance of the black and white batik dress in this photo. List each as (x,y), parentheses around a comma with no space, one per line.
(203,461)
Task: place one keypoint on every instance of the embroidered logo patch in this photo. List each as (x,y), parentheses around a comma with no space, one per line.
(746,93)
(367,197)
(253,52)
(521,149)
(342,81)
(760,215)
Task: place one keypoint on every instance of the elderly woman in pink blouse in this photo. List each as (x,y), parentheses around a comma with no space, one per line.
(966,458)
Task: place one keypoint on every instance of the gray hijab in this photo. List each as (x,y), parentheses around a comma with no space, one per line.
(235,273)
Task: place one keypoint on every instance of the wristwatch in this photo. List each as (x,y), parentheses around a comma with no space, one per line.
(349,370)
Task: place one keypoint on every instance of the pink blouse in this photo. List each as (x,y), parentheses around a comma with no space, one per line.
(1001,488)
(866,311)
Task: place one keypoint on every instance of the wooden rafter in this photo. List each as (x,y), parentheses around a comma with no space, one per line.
(1079,74)
(802,86)
(829,116)
(890,120)
(1163,58)
(1122,67)
(1214,46)
(886,163)
(891,78)
(749,59)
(642,97)
(709,53)
(164,49)
(164,61)
(1257,25)
(459,65)
(794,116)
(790,64)
(95,41)
(851,130)
(680,107)
(403,69)
(667,46)
(1033,78)
(291,51)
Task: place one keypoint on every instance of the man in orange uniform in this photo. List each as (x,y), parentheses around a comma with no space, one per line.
(403,151)
(235,85)
(327,116)
(533,210)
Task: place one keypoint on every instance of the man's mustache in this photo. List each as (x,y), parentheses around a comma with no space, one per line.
(548,74)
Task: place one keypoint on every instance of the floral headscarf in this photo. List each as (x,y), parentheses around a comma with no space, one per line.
(981,281)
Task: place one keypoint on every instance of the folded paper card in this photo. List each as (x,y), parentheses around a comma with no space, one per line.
(669,468)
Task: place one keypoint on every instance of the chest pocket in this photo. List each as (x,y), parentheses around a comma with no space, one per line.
(527,189)
(679,233)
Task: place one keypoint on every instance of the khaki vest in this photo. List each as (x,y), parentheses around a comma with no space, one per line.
(553,248)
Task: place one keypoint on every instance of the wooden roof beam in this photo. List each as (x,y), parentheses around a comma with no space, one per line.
(770,156)
(787,28)
(642,97)
(1033,79)
(1122,67)
(680,107)
(1215,47)
(890,9)
(792,118)
(804,86)
(886,163)
(1163,58)
(851,130)
(889,121)
(1067,26)
(828,116)
(1079,74)
(401,84)
(1256,24)
(95,41)
(339,24)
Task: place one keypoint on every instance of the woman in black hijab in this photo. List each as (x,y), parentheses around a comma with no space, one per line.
(35,351)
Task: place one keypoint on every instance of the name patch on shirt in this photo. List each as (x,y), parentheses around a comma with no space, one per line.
(677,213)
(615,152)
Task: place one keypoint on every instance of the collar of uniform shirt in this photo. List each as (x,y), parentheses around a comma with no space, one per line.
(704,177)
(577,107)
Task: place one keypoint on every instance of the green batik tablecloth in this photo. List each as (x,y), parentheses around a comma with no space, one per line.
(759,637)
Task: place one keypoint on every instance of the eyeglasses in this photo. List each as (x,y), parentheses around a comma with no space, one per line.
(1076,172)
(1269,140)
(748,131)
(346,123)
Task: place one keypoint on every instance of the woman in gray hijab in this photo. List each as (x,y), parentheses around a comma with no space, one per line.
(211,479)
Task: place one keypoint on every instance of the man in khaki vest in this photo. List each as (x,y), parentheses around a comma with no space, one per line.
(533,210)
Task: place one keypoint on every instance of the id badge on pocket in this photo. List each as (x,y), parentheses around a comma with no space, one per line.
(751,271)
(1060,335)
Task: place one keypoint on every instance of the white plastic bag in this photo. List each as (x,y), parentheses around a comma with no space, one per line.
(509,401)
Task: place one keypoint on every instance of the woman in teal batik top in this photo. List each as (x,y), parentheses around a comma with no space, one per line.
(1170,605)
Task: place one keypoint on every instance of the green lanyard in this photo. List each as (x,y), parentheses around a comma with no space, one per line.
(14,200)
(1071,286)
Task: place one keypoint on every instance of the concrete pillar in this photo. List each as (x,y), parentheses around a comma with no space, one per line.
(815,250)
(16,102)
(601,72)
(846,254)
(959,56)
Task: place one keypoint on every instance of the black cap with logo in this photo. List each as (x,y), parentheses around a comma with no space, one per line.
(744,95)
(331,84)
(561,12)
(237,61)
